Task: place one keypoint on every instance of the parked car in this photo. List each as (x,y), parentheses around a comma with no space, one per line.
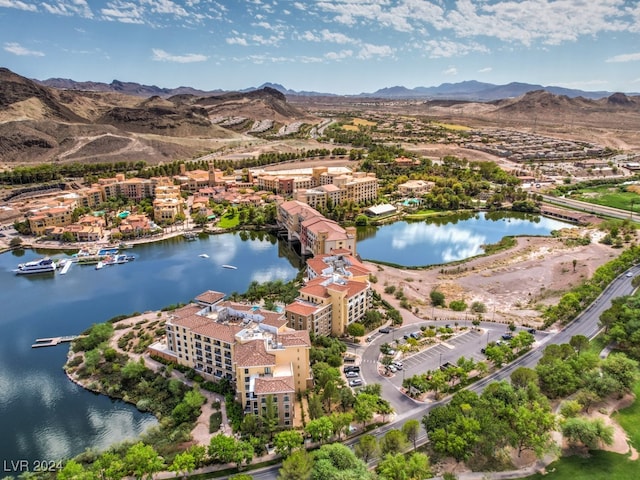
(397,364)
(532,331)
(507,336)
(355,383)
(385,330)
(392,368)
(351,368)
(351,375)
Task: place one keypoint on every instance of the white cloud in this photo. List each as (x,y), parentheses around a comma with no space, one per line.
(166,7)
(237,41)
(450,71)
(162,56)
(69,8)
(447,48)
(123,12)
(17,49)
(18,5)
(485,70)
(342,54)
(625,57)
(368,51)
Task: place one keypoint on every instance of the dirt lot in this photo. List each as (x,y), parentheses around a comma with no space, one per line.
(510,283)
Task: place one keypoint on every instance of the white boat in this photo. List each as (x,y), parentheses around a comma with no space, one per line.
(99,265)
(230,267)
(204,255)
(44,265)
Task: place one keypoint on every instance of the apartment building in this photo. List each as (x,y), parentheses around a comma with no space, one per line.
(167,203)
(47,217)
(414,188)
(336,294)
(134,188)
(251,347)
(317,234)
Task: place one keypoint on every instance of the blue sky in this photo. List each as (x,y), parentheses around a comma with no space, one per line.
(336,46)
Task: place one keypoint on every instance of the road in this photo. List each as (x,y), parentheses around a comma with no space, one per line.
(585,324)
(589,207)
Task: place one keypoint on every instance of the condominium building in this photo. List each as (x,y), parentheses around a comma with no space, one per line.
(47,217)
(317,234)
(248,346)
(336,294)
(133,188)
(167,203)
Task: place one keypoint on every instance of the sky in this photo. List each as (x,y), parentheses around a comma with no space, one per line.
(331,46)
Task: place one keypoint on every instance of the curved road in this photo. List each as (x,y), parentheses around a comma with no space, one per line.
(585,324)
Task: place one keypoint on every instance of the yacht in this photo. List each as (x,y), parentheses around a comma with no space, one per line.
(99,265)
(204,255)
(44,265)
(231,267)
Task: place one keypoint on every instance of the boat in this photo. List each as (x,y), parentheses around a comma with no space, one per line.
(130,258)
(230,267)
(204,255)
(99,265)
(121,258)
(190,236)
(44,265)
(124,246)
(108,251)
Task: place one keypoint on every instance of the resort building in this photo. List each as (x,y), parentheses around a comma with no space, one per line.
(168,203)
(415,188)
(336,294)
(317,234)
(133,188)
(251,347)
(315,186)
(47,217)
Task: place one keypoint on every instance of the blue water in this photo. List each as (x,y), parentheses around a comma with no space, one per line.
(446,239)
(44,415)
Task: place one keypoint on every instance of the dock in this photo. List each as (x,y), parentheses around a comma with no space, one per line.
(53,341)
(66,267)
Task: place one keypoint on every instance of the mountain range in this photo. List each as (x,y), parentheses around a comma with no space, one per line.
(470,90)
(124,121)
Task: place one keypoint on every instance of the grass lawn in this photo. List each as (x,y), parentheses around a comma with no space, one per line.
(610,197)
(599,465)
(629,419)
(229,220)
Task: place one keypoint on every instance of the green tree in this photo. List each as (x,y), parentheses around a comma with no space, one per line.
(72,470)
(297,466)
(590,433)
(437,298)
(109,466)
(364,407)
(142,460)
(523,376)
(184,463)
(356,329)
(287,442)
(393,467)
(222,448)
(367,447)
(320,429)
(411,430)
(338,461)
(579,343)
(418,466)
(394,441)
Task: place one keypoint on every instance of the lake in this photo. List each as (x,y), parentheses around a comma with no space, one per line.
(447,239)
(47,417)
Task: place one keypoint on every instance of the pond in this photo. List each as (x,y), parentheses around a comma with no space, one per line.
(446,239)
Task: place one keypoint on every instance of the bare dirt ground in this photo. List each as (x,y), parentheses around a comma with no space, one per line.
(511,283)
(605,411)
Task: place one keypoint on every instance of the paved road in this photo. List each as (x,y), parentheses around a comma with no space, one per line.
(590,207)
(585,324)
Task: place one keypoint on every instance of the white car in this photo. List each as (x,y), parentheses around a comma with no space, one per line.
(398,365)
(355,383)
(351,374)
(629,274)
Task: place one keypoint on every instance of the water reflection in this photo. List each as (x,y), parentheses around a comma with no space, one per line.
(447,239)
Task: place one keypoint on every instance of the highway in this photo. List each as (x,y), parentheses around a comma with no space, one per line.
(585,324)
(589,207)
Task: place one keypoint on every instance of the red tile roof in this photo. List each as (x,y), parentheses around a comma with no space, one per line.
(210,297)
(253,354)
(271,385)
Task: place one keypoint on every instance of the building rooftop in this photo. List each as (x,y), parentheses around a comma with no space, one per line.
(209,297)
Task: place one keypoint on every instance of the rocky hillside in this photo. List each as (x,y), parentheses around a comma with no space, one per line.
(44,124)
